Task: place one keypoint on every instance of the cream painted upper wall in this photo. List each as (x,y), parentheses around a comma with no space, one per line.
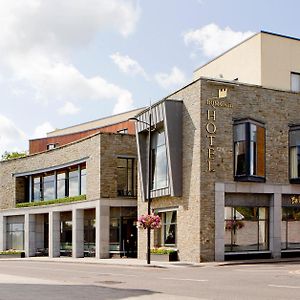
(280,57)
(242,61)
(97,123)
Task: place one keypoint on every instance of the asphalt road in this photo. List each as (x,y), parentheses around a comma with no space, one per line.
(33,280)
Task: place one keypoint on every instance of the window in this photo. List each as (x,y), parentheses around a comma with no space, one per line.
(166,236)
(48,187)
(123,131)
(249,151)
(295,82)
(159,160)
(294,136)
(125,179)
(15,236)
(51,146)
(67,182)
(83,180)
(290,235)
(73,182)
(246,228)
(61,184)
(37,188)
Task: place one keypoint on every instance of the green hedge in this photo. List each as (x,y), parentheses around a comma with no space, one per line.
(162,251)
(48,202)
(11,252)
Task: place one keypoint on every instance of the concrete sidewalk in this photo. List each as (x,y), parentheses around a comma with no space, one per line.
(134,262)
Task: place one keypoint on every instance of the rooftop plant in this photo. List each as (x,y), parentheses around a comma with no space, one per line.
(49,202)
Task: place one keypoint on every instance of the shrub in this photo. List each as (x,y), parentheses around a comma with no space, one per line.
(49,202)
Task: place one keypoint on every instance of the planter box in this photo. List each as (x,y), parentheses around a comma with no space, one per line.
(20,255)
(164,257)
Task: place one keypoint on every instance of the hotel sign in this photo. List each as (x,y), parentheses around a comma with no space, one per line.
(295,199)
(211,127)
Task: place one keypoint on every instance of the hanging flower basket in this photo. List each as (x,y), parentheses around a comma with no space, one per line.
(234,225)
(151,221)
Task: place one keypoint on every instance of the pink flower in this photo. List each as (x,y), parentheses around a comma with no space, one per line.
(151,221)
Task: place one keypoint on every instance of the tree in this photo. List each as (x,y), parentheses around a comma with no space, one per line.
(11,155)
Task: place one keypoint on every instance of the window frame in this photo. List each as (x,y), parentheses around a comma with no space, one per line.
(162,237)
(291,74)
(248,177)
(292,127)
(66,182)
(129,177)
(155,146)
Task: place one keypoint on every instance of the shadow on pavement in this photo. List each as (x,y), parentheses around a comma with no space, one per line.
(66,292)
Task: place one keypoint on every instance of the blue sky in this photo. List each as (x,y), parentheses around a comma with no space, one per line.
(67,62)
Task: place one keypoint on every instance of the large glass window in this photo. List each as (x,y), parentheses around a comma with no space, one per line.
(37,188)
(290,228)
(295,155)
(66,234)
(123,231)
(15,236)
(82,180)
(49,187)
(59,184)
(125,179)
(74,182)
(159,160)
(249,151)
(89,232)
(246,229)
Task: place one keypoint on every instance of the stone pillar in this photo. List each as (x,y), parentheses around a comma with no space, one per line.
(275,226)
(54,234)
(219,221)
(2,233)
(29,232)
(102,231)
(77,233)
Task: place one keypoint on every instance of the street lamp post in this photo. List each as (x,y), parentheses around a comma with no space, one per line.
(149,180)
(149,187)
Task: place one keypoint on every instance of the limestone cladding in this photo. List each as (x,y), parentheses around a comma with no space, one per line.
(97,149)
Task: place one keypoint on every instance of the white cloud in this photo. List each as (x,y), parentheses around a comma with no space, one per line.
(38,36)
(172,80)
(128,65)
(124,103)
(42,130)
(11,137)
(212,40)
(68,109)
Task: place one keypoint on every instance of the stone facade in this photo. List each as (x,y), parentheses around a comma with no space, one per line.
(43,230)
(197,213)
(101,152)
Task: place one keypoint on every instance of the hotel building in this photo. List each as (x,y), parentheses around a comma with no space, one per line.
(225,166)
(224,169)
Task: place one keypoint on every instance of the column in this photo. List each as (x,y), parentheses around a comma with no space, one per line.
(2,233)
(54,234)
(29,232)
(275,226)
(102,231)
(219,221)
(77,233)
